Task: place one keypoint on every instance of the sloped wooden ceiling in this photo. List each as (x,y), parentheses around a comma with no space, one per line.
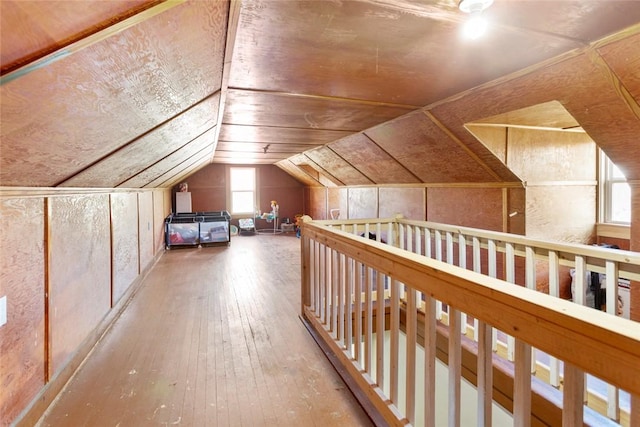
(143,93)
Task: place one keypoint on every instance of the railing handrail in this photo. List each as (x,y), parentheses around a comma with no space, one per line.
(629,261)
(545,322)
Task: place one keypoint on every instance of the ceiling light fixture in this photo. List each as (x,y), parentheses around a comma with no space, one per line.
(476,25)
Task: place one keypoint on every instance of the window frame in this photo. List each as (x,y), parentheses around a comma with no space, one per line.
(606,183)
(231,191)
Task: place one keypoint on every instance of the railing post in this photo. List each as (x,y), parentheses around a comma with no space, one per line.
(572,407)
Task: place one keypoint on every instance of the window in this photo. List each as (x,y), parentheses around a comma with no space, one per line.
(242,186)
(615,193)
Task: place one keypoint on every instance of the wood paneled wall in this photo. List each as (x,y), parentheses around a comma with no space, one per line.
(86,251)
(208,189)
(22,281)
(79,282)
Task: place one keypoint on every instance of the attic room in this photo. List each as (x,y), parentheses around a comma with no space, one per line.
(345,112)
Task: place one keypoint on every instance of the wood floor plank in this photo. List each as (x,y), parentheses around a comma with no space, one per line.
(211,338)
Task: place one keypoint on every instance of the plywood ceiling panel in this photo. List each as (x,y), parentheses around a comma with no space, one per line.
(149,148)
(194,148)
(82,81)
(429,153)
(266,134)
(371,160)
(298,173)
(580,84)
(328,160)
(305,112)
(40,27)
(624,59)
(60,119)
(186,168)
(381,51)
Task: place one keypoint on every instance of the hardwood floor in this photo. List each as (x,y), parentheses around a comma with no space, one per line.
(211,338)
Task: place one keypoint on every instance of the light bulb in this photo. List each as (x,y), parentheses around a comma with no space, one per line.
(475,27)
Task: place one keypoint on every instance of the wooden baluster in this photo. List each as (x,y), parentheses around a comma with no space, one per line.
(358,311)
(522,385)
(492,251)
(429,362)
(324,313)
(380,329)
(341,298)
(427,243)
(510,261)
(334,293)
(477,267)
(394,318)
(349,307)
(411,345)
(573,390)
(438,249)
(554,290)
(580,297)
(485,374)
(313,282)
(611,272)
(368,316)
(462,263)
(530,283)
(454,367)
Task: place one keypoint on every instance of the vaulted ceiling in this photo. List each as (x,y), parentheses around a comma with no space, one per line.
(143,93)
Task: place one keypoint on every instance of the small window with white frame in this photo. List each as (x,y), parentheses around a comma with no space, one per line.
(242,190)
(615,193)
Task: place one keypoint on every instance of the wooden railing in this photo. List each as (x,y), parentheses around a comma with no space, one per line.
(343,272)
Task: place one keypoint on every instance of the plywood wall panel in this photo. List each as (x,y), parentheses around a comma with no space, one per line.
(429,153)
(79,271)
(468,207)
(409,202)
(317,203)
(371,160)
(634,245)
(145,229)
(538,155)
(22,282)
(124,240)
(363,202)
(494,138)
(160,212)
(562,213)
(516,211)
